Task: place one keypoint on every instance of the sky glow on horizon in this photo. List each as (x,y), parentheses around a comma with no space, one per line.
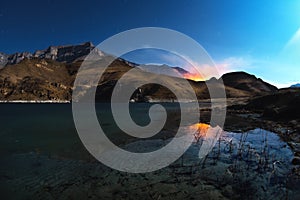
(258,37)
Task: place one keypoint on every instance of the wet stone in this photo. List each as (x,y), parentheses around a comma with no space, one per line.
(296,160)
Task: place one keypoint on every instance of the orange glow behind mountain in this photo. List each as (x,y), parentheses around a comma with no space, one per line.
(194,77)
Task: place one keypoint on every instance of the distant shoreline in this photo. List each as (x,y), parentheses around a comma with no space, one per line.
(34,101)
(67,101)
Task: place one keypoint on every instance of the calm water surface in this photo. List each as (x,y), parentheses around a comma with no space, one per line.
(40,149)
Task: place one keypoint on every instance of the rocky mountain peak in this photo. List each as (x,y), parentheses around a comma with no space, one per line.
(65,53)
(247,82)
(3,59)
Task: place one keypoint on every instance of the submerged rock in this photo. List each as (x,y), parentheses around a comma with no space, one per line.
(296,160)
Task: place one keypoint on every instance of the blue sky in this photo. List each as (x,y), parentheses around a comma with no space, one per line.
(259,37)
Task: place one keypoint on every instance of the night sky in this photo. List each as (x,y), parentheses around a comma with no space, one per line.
(259,37)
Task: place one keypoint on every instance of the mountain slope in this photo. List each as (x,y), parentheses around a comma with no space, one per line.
(283,105)
(35,80)
(49,75)
(44,79)
(247,83)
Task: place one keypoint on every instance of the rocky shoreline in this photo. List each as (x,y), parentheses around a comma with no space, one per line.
(288,131)
(228,172)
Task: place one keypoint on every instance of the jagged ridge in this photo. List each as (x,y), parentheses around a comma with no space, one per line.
(66,53)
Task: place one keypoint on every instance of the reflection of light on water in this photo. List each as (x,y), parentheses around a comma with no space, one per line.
(208,136)
(203,131)
(259,148)
(256,159)
(200,129)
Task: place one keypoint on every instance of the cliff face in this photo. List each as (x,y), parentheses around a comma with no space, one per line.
(3,59)
(67,53)
(15,58)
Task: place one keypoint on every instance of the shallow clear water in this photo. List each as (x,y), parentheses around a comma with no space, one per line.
(40,149)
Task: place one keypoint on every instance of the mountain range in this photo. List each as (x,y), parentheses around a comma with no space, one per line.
(49,75)
(67,53)
(296,85)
